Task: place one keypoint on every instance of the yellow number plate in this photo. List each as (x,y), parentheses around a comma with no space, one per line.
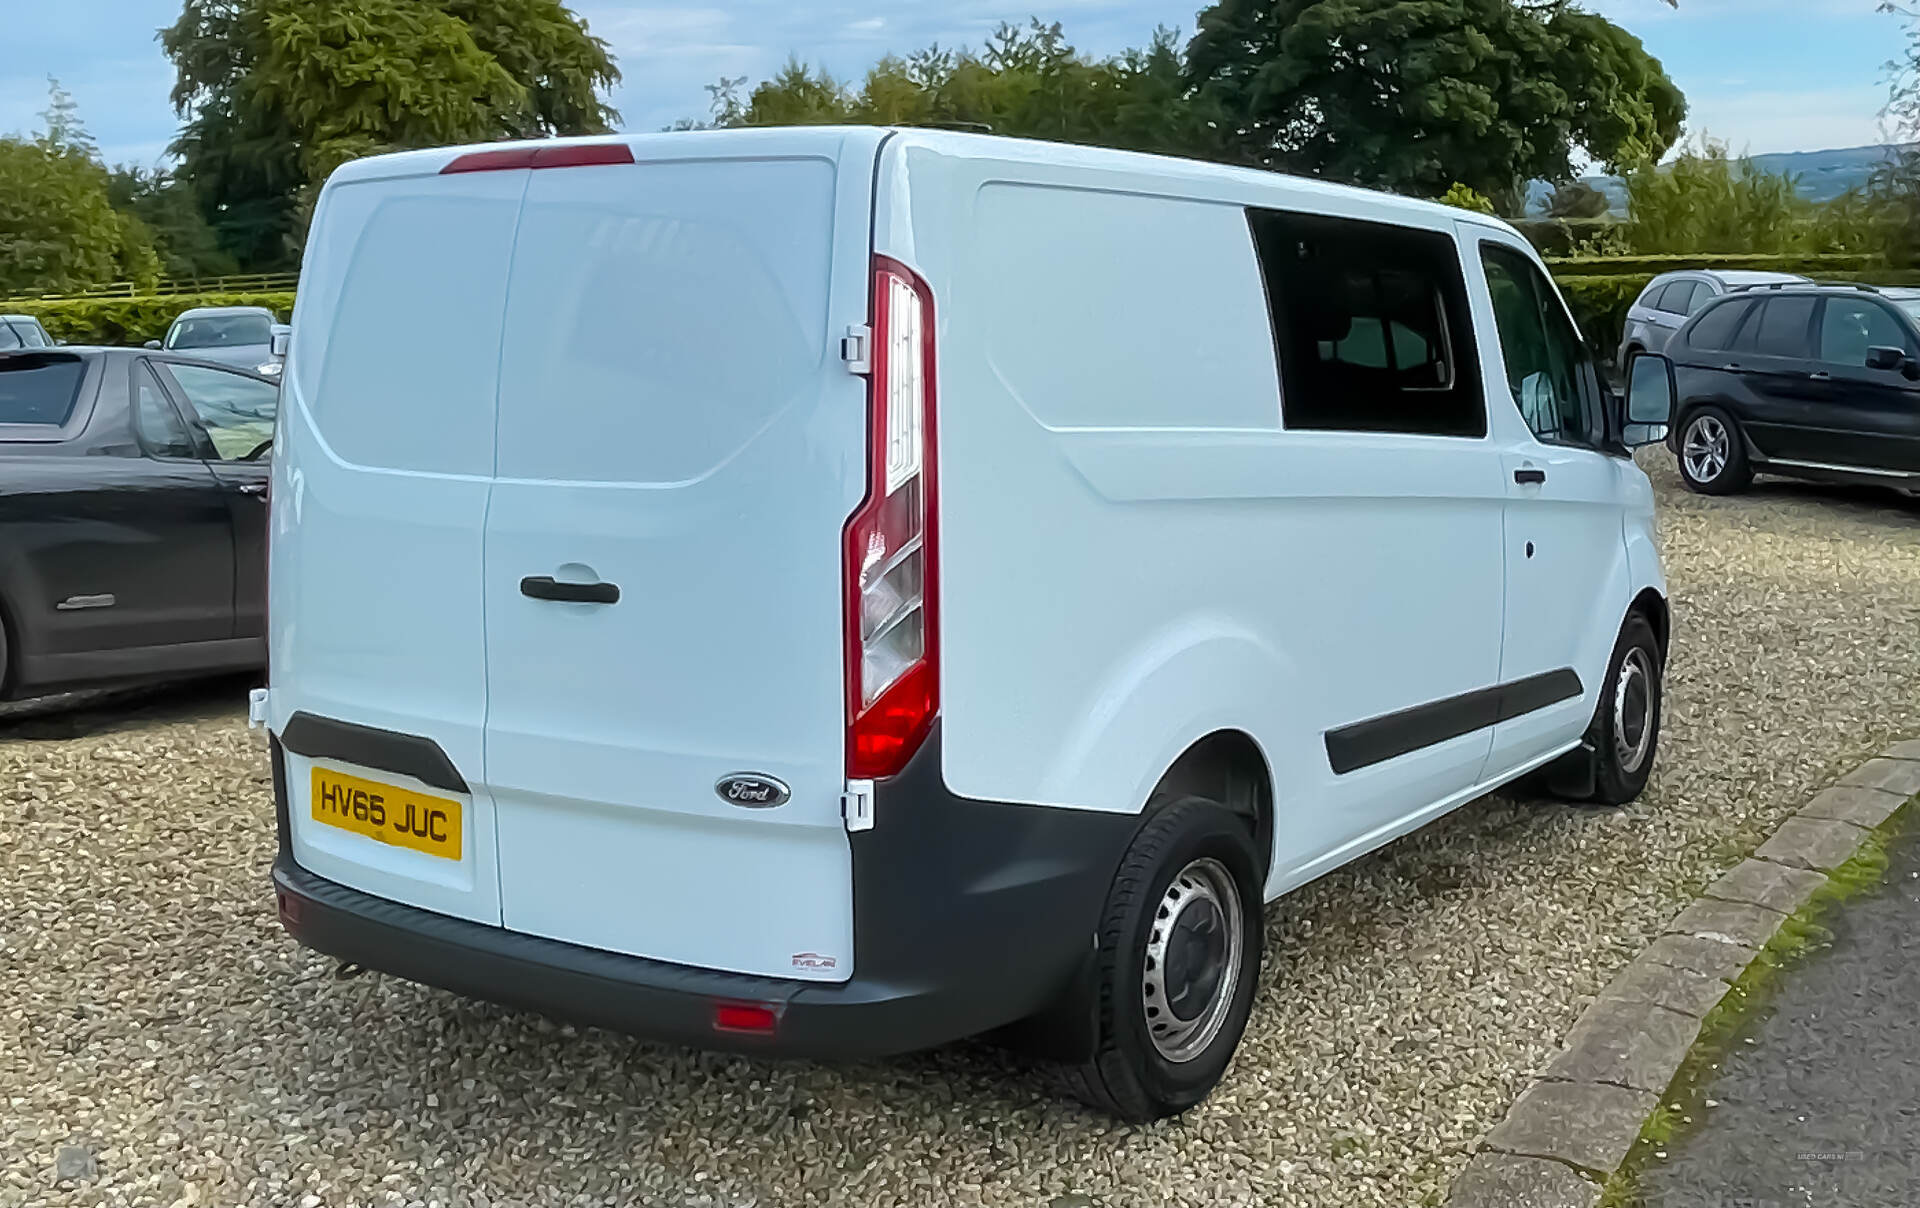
(379,811)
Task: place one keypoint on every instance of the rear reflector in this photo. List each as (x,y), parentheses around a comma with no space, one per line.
(507,158)
(744,1017)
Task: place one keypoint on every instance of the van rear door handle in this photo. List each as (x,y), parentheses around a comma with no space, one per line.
(546,587)
(1529,477)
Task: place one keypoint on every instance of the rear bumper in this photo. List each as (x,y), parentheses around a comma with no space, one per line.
(969,915)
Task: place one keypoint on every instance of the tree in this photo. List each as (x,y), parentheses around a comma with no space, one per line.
(186,244)
(279,92)
(1411,95)
(58,230)
(1895,188)
(1024,81)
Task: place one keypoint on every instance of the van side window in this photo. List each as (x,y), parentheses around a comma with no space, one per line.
(1371,326)
(1546,363)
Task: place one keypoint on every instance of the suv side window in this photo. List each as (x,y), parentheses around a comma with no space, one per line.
(237,411)
(1546,363)
(1371,326)
(1716,329)
(1781,329)
(1678,298)
(1850,326)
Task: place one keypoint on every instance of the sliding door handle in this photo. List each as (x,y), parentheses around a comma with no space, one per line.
(545,587)
(1529,477)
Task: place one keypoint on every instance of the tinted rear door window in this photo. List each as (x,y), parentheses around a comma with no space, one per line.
(1718,327)
(39,389)
(1783,327)
(1678,298)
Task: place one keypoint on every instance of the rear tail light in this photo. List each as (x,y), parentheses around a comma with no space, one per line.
(892,564)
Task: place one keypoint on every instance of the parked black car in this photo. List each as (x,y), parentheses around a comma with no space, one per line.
(1809,381)
(133,517)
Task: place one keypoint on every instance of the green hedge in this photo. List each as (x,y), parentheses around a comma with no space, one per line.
(134,320)
(1830,266)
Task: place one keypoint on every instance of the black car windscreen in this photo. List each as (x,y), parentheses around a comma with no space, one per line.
(39,388)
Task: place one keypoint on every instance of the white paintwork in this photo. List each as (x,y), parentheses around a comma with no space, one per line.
(637,379)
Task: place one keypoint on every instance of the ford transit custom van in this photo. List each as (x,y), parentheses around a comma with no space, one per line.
(835,591)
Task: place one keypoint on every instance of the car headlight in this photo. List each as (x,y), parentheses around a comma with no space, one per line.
(271,369)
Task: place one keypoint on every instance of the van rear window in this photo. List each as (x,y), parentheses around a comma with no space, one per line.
(39,388)
(1371,325)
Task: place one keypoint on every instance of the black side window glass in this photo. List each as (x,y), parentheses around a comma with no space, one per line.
(1543,355)
(1717,327)
(161,432)
(1371,326)
(1783,327)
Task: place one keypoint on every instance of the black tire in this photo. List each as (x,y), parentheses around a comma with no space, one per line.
(1621,767)
(1735,473)
(1129,1075)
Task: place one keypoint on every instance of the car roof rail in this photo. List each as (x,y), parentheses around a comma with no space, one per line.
(1859,285)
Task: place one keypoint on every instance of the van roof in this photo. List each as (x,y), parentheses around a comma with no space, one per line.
(1256,186)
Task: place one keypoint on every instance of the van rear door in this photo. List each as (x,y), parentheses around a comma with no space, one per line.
(382,470)
(679,447)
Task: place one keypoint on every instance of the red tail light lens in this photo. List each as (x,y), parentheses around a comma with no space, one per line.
(892,564)
(575,156)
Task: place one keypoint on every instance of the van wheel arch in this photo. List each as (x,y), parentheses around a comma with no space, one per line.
(1653,606)
(1229,767)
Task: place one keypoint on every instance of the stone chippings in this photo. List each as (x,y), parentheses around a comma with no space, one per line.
(153,1015)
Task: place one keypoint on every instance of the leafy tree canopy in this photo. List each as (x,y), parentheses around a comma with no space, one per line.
(1577,200)
(58,229)
(1024,81)
(1411,95)
(277,93)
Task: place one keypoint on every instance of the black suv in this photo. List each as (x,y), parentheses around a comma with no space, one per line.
(1810,381)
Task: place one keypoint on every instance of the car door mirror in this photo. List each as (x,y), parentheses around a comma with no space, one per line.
(1649,405)
(1885,358)
(151,344)
(278,341)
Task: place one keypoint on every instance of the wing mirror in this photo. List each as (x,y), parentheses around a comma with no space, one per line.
(278,341)
(1650,398)
(151,344)
(1894,359)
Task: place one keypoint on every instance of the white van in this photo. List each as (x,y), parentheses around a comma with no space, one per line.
(835,591)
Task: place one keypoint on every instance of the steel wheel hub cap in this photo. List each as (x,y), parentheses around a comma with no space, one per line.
(1633,710)
(1707,448)
(1192,963)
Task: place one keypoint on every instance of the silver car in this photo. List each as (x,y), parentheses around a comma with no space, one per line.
(1669,298)
(23,331)
(241,336)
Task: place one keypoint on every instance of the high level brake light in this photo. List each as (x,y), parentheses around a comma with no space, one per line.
(892,563)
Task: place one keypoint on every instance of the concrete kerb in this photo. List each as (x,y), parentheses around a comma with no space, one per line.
(1570,1131)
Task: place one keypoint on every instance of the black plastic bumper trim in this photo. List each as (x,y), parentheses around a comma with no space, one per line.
(968,915)
(1379,739)
(369,747)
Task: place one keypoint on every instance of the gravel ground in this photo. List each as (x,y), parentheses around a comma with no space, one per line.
(152,1012)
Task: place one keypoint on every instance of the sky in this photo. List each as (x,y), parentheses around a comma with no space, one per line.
(1762,75)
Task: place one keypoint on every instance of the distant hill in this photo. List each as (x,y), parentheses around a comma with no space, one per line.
(1824,175)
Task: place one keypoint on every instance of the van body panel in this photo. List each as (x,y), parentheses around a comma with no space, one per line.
(676,420)
(381,477)
(1204,530)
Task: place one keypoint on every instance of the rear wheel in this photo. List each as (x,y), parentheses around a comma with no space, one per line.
(1178,964)
(1713,455)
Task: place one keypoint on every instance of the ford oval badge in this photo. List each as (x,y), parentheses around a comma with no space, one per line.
(751,790)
